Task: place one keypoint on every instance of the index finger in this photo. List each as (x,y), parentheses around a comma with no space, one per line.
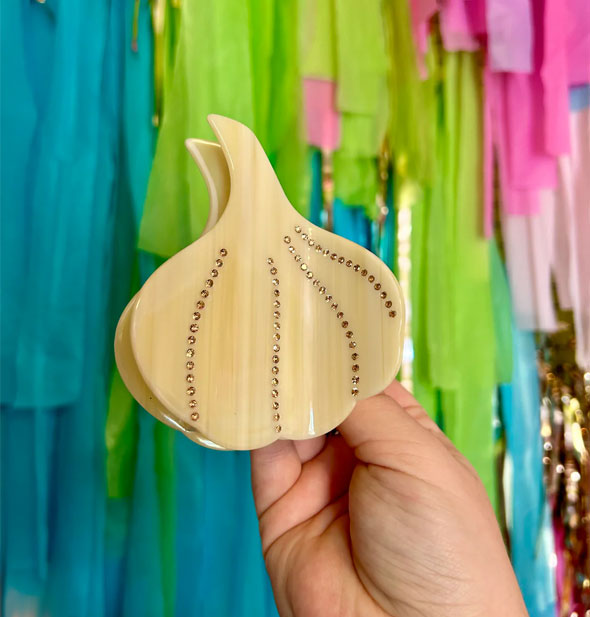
(276,467)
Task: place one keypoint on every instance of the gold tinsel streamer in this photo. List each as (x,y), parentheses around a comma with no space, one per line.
(565,431)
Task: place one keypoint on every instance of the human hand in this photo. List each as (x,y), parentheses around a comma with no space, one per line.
(387,518)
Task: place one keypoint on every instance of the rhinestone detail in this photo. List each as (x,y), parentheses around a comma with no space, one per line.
(276,326)
(194,327)
(322,290)
(341,259)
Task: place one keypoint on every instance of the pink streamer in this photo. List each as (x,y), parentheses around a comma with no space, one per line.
(572,224)
(523,108)
(555,242)
(510,35)
(488,158)
(578,42)
(456,28)
(528,241)
(421,12)
(559,536)
(554,77)
(322,119)
(476,11)
(515,199)
(528,165)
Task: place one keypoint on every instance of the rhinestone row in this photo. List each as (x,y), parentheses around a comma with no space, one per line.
(333,305)
(192,338)
(276,337)
(349,264)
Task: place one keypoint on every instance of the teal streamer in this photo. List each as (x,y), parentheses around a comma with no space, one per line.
(530,530)
(388,247)
(60,125)
(315,195)
(53,211)
(137,140)
(216,523)
(351,222)
(528,516)
(143,594)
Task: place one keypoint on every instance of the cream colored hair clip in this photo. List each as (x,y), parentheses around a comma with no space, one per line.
(267,327)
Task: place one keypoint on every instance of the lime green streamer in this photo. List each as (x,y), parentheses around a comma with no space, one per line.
(414,135)
(344,41)
(454,334)
(424,390)
(356,180)
(362,63)
(261,19)
(442,280)
(362,66)
(286,145)
(121,436)
(318,40)
(165,26)
(411,129)
(237,59)
(468,403)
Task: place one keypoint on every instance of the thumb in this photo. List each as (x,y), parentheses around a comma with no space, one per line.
(384,432)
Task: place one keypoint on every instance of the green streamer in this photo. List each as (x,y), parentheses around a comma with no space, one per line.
(356,181)
(318,40)
(411,131)
(165,481)
(121,436)
(344,41)
(468,406)
(454,335)
(228,61)
(362,99)
(424,390)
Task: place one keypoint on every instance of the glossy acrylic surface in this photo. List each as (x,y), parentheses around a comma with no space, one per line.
(278,326)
